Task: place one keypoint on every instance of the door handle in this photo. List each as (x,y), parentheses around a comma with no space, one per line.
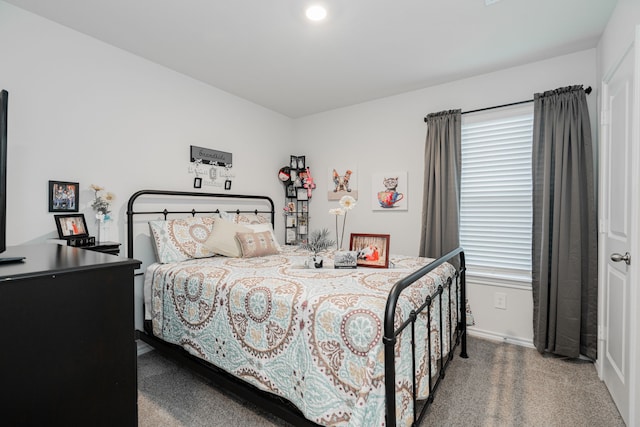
(615,257)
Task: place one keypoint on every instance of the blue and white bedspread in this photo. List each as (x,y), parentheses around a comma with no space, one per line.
(312,336)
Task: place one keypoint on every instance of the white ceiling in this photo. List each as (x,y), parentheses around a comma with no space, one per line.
(268,53)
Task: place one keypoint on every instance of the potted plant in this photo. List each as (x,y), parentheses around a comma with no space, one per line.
(318,241)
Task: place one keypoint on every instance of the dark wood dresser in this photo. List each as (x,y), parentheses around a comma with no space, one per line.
(67,343)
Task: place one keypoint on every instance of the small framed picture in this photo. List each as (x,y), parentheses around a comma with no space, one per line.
(301,162)
(302,194)
(345,259)
(291,191)
(290,237)
(293,162)
(63,196)
(227,184)
(197,182)
(372,250)
(291,221)
(71,226)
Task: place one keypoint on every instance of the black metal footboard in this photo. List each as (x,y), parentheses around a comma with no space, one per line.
(455,336)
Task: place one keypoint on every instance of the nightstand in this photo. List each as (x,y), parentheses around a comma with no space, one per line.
(112,248)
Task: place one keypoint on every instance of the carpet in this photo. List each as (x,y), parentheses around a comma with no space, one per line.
(499,384)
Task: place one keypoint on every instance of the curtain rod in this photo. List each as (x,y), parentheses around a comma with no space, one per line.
(587,91)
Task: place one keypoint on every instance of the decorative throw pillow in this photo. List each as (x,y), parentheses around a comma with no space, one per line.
(222,239)
(257,244)
(264,227)
(181,239)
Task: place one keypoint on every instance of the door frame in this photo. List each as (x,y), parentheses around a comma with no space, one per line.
(633,416)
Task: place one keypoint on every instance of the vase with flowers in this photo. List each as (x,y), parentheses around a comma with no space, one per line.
(102,206)
(347,203)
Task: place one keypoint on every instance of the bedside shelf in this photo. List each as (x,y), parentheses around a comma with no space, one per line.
(112,248)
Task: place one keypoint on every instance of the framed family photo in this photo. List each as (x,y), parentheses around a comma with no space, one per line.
(63,196)
(372,249)
(71,226)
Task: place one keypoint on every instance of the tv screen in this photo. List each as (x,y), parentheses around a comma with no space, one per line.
(4,98)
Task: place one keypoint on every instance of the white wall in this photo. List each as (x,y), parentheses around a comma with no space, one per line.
(618,35)
(83,111)
(388,135)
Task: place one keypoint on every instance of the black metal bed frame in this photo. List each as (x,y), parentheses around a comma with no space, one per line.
(281,407)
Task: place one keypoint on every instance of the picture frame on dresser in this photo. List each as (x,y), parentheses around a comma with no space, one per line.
(71,226)
(372,249)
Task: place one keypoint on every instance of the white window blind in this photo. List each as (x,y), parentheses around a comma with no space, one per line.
(496,207)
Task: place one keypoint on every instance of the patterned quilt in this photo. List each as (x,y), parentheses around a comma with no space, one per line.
(312,336)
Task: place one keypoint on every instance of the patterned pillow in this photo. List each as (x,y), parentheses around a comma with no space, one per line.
(181,239)
(251,219)
(264,227)
(222,239)
(257,244)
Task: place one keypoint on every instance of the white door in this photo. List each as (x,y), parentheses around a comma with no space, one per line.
(619,257)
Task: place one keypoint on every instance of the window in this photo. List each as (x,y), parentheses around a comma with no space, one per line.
(496,207)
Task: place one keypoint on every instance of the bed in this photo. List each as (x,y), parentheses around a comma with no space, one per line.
(349,347)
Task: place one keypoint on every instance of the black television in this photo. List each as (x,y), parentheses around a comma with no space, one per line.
(4,114)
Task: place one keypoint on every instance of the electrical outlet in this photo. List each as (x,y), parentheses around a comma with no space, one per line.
(500,300)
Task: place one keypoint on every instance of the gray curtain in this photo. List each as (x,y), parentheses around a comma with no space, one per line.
(442,171)
(564,247)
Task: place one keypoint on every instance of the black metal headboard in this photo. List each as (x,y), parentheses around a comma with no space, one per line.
(165,212)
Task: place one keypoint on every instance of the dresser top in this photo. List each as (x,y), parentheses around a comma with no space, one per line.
(50,258)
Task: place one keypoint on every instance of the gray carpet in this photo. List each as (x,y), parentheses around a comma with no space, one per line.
(498,385)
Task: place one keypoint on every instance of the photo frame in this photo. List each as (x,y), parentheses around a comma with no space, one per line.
(197,182)
(291,191)
(290,236)
(372,249)
(63,196)
(301,161)
(345,259)
(71,226)
(302,194)
(297,162)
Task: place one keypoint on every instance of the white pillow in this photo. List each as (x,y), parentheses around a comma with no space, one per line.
(222,239)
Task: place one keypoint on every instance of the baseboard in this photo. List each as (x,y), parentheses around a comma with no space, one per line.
(475,332)
(143,347)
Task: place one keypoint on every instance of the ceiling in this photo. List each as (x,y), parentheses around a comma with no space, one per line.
(267,51)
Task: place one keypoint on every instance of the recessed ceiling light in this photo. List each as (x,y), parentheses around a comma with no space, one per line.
(316,13)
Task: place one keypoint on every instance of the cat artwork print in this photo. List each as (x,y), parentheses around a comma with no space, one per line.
(389,191)
(391,184)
